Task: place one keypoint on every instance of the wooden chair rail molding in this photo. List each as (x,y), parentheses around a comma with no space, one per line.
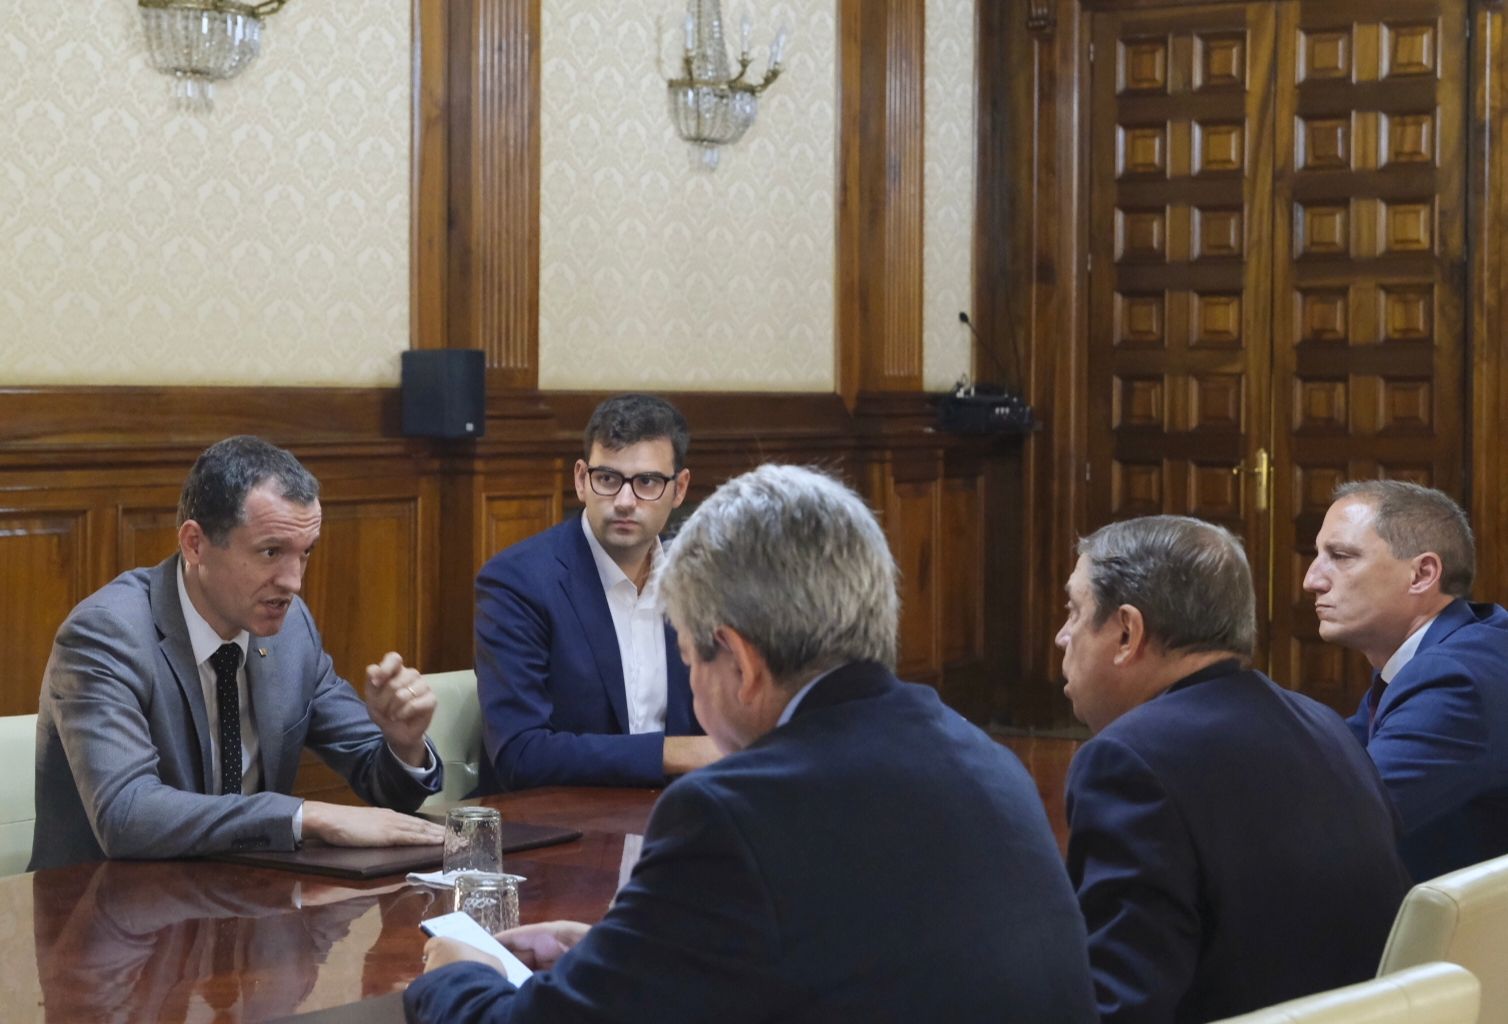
(90,479)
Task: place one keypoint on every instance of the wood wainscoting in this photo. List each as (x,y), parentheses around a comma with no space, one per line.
(89,481)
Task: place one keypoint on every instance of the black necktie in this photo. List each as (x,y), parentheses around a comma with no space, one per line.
(225,662)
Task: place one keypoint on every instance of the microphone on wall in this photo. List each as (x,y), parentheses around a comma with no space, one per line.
(963,318)
(988,410)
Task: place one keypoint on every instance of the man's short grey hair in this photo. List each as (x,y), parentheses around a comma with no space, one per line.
(1189,579)
(1413,519)
(796,563)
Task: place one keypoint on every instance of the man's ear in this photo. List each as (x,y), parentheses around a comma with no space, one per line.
(753,671)
(579,476)
(1427,572)
(1133,634)
(682,483)
(191,542)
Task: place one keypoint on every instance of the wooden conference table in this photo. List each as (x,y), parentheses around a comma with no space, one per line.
(201,940)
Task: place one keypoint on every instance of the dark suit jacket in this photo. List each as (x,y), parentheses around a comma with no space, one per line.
(875,859)
(1233,847)
(549,676)
(1440,740)
(123,745)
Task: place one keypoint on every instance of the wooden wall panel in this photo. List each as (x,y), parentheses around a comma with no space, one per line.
(145,535)
(961,533)
(880,163)
(492,125)
(1487,217)
(429,189)
(361,580)
(910,516)
(407,523)
(44,559)
(510,519)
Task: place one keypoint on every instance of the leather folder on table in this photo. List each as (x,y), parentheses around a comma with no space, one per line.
(379,861)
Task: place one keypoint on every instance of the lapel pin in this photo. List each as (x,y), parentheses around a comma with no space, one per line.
(262,651)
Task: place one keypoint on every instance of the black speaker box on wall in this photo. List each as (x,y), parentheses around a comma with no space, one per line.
(444,393)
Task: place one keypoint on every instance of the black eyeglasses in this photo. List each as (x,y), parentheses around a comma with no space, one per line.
(608,482)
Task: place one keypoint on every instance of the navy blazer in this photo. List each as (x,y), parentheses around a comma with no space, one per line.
(549,676)
(1233,847)
(875,859)
(1440,740)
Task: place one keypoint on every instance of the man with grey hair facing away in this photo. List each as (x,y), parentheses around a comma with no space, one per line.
(861,853)
(1391,575)
(1231,843)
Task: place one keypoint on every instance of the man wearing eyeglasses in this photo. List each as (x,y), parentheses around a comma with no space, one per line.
(577,671)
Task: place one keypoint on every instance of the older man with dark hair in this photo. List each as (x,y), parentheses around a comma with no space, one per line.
(1391,575)
(861,853)
(1231,843)
(178,699)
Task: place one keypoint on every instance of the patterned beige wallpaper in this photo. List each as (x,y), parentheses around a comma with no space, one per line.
(948,203)
(652,273)
(266,242)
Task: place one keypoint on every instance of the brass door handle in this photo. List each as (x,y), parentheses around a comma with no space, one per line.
(1263,473)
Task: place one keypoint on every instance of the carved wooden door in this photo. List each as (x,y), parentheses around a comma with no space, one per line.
(1277,276)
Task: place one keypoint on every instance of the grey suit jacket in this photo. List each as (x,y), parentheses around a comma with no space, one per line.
(123,741)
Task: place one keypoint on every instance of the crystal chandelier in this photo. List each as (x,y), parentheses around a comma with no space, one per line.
(709,105)
(201,42)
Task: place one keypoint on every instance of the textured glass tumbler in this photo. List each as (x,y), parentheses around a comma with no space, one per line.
(473,839)
(489,898)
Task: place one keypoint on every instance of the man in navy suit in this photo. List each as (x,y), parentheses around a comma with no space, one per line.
(1231,843)
(577,672)
(861,854)
(1391,575)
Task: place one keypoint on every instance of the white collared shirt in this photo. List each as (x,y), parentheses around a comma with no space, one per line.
(1406,651)
(639,622)
(205,642)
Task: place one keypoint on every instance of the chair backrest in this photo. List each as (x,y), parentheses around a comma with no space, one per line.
(1428,994)
(1461,917)
(456,732)
(18,797)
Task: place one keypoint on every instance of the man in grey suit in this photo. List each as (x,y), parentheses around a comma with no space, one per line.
(178,699)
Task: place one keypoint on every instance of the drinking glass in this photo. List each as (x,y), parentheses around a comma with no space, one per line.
(473,839)
(490,898)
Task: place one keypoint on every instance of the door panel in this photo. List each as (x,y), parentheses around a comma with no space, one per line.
(1179,331)
(1368,282)
(1277,261)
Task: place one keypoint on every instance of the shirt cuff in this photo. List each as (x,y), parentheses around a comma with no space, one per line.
(421,774)
(298,825)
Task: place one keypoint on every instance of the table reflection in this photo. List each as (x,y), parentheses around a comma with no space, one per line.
(135,942)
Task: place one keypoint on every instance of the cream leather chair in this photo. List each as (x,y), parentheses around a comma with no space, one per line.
(1461,917)
(456,731)
(1429,994)
(18,807)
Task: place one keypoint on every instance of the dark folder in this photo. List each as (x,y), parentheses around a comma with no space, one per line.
(378,861)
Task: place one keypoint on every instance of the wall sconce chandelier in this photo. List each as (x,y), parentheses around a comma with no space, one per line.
(709,105)
(201,42)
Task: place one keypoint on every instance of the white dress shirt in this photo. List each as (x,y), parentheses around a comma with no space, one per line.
(1406,651)
(639,622)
